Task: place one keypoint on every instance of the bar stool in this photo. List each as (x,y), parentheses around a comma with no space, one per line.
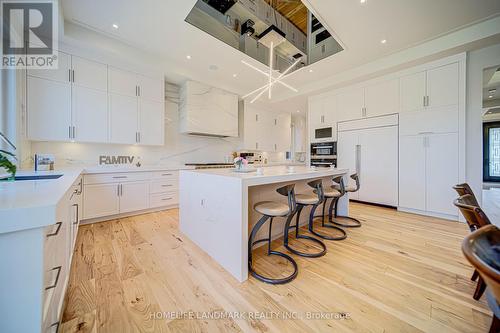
(303,200)
(340,186)
(322,196)
(270,210)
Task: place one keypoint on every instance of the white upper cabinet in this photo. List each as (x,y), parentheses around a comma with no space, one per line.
(443,86)
(151,89)
(151,122)
(90,115)
(87,101)
(124,121)
(49,110)
(265,130)
(61,74)
(350,104)
(435,88)
(413,92)
(122,82)
(322,113)
(89,74)
(382,98)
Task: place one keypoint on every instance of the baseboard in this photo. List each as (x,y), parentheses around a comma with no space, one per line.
(431,214)
(118,216)
(373,204)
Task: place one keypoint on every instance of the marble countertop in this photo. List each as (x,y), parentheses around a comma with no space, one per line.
(32,203)
(272,174)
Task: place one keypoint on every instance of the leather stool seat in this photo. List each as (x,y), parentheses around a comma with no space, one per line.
(306,199)
(330,193)
(348,188)
(271,208)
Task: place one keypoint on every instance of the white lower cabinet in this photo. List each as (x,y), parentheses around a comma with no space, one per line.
(134,196)
(110,194)
(101,200)
(428,170)
(36,263)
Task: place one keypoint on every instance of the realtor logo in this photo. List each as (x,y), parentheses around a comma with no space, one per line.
(29,34)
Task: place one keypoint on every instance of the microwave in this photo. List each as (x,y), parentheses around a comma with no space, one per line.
(323,133)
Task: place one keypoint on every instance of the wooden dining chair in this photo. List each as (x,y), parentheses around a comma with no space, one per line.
(482,250)
(476,218)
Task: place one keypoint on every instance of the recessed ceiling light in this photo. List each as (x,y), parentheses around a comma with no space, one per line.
(188,57)
(310,71)
(298,110)
(115,25)
(383,41)
(362,1)
(235,75)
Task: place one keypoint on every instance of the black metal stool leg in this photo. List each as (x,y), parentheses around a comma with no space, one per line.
(311,227)
(296,226)
(356,223)
(251,243)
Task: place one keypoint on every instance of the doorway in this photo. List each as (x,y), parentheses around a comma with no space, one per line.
(491,151)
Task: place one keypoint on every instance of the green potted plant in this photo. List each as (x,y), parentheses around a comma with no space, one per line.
(6,163)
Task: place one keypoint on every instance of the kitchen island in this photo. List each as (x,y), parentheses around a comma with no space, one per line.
(216,207)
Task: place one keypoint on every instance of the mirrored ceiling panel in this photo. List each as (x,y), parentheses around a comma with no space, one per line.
(244,25)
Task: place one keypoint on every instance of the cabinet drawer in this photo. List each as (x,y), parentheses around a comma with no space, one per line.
(165,175)
(167,185)
(116,177)
(163,199)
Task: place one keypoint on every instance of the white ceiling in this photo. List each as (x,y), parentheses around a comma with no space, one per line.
(158,26)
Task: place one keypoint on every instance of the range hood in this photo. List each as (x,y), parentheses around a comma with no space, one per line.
(207,111)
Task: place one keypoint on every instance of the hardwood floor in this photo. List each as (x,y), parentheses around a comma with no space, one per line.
(397,273)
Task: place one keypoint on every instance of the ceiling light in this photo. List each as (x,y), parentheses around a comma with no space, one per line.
(115,25)
(490,96)
(235,75)
(310,71)
(298,110)
(188,57)
(362,1)
(383,41)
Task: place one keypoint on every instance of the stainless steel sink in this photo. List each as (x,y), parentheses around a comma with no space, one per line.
(37,177)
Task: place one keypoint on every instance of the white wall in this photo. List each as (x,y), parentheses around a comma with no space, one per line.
(477,61)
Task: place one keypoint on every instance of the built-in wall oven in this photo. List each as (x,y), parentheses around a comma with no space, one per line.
(324,154)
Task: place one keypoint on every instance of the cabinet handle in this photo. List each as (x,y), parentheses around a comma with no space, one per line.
(74,132)
(166,174)
(139,90)
(118,190)
(358,159)
(56,325)
(119,177)
(69,132)
(166,199)
(58,269)
(425,101)
(69,75)
(139,135)
(77,218)
(59,224)
(121,190)
(166,185)
(256,117)
(73,72)
(423,133)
